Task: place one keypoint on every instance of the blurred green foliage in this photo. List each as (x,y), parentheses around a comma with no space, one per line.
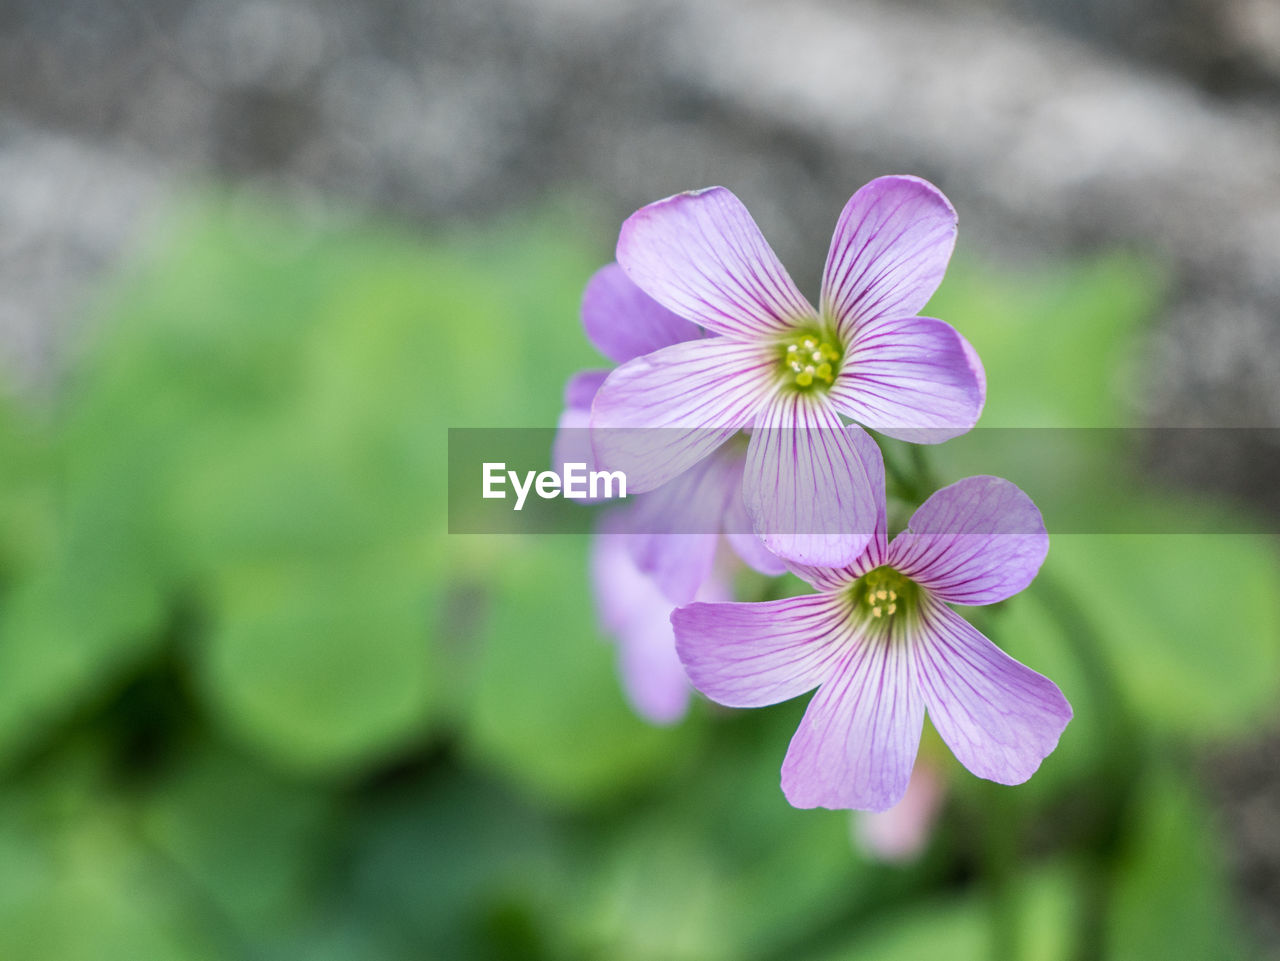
(256,703)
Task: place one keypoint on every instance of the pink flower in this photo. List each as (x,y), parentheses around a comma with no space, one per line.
(881,645)
(784,370)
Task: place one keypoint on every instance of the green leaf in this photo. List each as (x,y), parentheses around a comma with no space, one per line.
(265,413)
(960,927)
(1189,623)
(547,707)
(252,842)
(324,667)
(455,866)
(720,866)
(81,610)
(1171,896)
(75,885)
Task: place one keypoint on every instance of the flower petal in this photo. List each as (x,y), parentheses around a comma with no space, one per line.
(623,322)
(652,678)
(701,255)
(580,389)
(572,444)
(890,249)
(999,717)
(749,655)
(675,528)
(977,541)
(737,527)
(633,609)
(749,548)
(913,378)
(805,484)
(857,742)
(834,578)
(658,415)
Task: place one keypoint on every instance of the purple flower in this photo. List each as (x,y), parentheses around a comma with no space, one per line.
(784,369)
(633,609)
(881,646)
(675,529)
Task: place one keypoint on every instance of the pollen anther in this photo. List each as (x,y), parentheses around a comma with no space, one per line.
(817,363)
(886,592)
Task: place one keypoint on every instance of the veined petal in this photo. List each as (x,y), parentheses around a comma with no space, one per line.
(701,255)
(736,523)
(678,563)
(676,527)
(999,717)
(623,322)
(805,484)
(977,541)
(913,378)
(617,585)
(572,444)
(832,579)
(890,249)
(652,678)
(580,389)
(634,611)
(658,415)
(746,544)
(859,737)
(749,655)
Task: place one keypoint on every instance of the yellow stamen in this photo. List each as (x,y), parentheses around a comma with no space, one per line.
(809,359)
(887,593)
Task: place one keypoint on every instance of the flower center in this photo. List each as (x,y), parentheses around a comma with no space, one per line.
(809,358)
(883,593)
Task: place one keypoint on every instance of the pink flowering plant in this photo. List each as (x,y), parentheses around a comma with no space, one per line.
(790,373)
(881,644)
(738,411)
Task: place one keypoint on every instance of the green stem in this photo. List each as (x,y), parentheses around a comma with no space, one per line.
(1120,768)
(926,479)
(1000,845)
(905,482)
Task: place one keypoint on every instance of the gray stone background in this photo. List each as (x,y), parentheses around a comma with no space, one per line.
(1056,127)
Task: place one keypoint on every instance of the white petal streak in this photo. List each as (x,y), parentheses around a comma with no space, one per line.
(806,485)
(890,249)
(658,415)
(701,255)
(753,654)
(857,742)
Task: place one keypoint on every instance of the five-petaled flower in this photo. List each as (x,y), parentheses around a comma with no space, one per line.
(881,645)
(784,370)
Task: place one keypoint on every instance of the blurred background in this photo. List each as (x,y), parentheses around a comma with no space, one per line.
(256,256)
